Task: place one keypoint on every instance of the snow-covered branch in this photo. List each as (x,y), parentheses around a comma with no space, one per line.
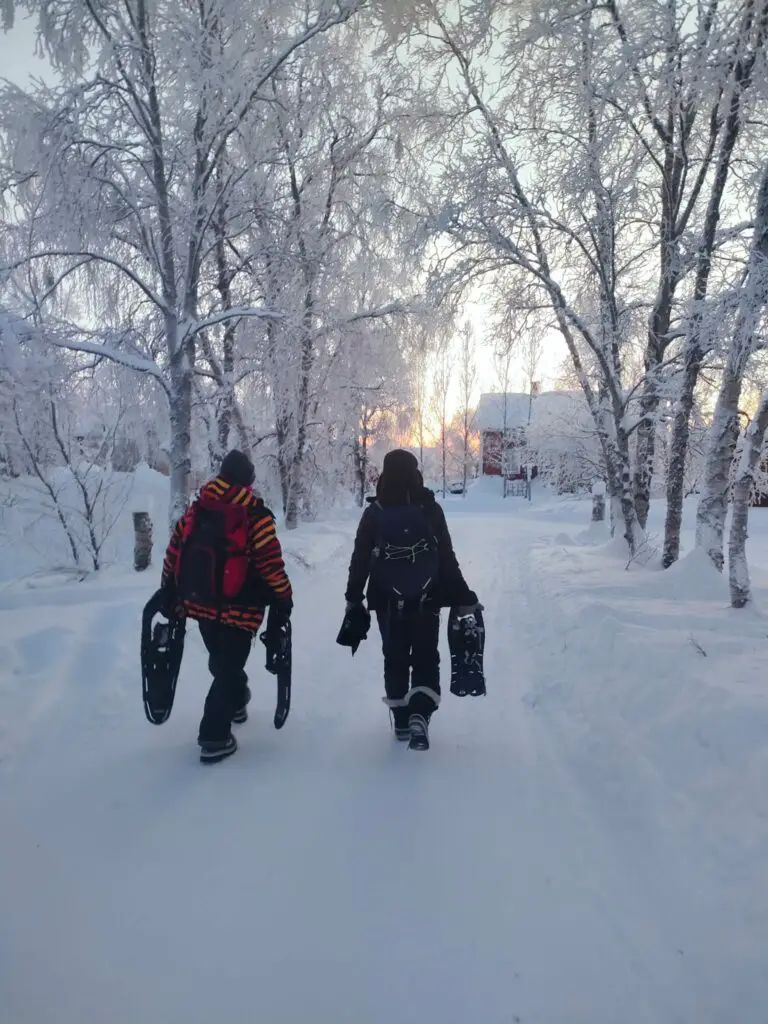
(114,355)
(83,257)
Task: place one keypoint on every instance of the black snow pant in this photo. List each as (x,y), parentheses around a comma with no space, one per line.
(411,660)
(228,650)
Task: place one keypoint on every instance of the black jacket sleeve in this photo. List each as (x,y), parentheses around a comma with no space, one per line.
(453,586)
(360,565)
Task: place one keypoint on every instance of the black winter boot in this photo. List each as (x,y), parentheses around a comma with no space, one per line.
(400,717)
(241,716)
(212,752)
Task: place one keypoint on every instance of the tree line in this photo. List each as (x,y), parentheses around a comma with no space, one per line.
(258,224)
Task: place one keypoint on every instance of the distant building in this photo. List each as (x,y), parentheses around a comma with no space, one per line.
(551,431)
(502,421)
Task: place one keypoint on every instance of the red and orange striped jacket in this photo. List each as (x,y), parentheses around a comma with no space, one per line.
(265,558)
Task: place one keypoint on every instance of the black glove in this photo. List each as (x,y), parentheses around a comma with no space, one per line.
(354,628)
(469,609)
(168,598)
(281,610)
(277,639)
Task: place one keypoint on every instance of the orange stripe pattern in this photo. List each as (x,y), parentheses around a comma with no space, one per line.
(265,556)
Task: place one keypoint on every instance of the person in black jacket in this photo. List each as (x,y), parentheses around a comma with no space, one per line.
(409,620)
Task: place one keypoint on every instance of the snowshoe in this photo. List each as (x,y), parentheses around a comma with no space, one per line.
(162,648)
(277,640)
(212,753)
(418,728)
(466,641)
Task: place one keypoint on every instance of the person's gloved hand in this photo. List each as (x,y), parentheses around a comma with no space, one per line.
(169,598)
(277,636)
(283,609)
(354,629)
(469,609)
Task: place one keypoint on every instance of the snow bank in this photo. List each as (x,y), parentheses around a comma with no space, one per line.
(34,549)
(693,576)
(654,671)
(32,540)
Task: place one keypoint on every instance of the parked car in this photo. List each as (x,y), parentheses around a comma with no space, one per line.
(457,487)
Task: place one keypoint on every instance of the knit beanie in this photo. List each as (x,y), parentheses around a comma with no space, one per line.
(237,469)
(400,478)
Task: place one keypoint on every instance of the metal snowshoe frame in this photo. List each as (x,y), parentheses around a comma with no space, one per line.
(161,653)
(466,641)
(277,638)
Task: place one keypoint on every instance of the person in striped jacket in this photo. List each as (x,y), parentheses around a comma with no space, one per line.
(227,596)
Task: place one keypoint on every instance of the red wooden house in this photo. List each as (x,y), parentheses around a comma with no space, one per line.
(502,421)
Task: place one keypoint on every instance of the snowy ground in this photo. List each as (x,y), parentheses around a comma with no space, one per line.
(588,845)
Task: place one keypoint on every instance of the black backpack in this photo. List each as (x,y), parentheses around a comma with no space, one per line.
(405,563)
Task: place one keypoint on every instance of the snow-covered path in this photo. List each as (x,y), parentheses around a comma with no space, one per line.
(325,874)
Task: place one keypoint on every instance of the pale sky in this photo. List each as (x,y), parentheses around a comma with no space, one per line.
(17,53)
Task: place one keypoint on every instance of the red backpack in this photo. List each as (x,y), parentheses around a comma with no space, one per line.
(212,568)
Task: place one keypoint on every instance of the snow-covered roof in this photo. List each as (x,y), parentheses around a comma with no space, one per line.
(490,411)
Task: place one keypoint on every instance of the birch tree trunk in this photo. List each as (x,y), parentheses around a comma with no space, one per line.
(363,469)
(443,444)
(713,506)
(695,348)
(724,433)
(656,345)
(738,570)
(693,358)
(296,478)
(465,465)
(227,400)
(181,435)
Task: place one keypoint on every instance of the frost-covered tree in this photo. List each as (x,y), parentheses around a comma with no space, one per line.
(442,373)
(467,386)
(562,443)
(751,302)
(323,248)
(59,436)
(515,210)
(739,52)
(119,175)
(586,151)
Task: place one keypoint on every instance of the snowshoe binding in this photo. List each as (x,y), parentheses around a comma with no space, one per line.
(162,648)
(418,727)
(466,641)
